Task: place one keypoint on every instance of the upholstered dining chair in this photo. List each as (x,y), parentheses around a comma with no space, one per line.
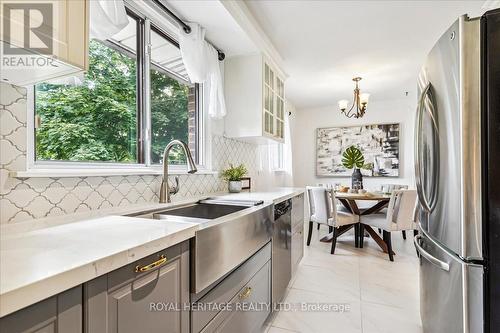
(328,186)
(323,210)
(399,217)
(389,188)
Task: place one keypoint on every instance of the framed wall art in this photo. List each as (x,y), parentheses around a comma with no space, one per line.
(378,143)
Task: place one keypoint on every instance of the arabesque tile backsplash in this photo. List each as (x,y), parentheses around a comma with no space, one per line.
(30,198)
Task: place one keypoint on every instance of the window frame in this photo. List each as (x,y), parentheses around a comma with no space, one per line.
(144,165)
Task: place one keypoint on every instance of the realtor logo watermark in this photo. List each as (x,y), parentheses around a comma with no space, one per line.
(28,34)
(28,23)
(250,306)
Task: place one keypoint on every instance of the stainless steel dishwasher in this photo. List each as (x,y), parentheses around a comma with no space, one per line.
(282,249)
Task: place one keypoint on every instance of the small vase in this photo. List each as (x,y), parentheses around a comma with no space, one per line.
(357,179)
(234,186)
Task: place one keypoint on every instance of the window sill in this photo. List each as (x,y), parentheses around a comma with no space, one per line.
(101,172)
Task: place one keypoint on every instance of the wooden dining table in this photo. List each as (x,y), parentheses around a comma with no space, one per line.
(349,201)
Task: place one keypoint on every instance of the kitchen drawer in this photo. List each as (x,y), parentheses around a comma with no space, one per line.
(228,288)
(297,210)
(248,309)
(124,301)
(58,314)
(297,249)
(127,273)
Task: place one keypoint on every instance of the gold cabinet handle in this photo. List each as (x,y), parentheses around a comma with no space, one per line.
(157,263)
(246,293)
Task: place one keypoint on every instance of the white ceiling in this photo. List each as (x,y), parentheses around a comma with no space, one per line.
(221,29)
(326,43)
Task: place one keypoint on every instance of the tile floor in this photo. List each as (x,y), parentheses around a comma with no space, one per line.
(382,295)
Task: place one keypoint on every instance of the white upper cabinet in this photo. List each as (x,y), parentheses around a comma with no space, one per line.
(255,99)
(46,40)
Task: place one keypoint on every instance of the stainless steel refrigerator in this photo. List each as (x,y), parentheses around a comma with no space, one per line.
(457,166)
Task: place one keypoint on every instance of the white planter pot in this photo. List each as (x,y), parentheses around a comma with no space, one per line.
(234,186)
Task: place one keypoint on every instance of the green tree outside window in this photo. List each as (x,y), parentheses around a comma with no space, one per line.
(97,120)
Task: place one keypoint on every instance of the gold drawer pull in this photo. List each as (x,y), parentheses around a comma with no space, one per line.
(157,263)
(246,293)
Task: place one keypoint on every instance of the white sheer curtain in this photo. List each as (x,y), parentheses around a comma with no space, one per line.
(107,18)
(202,65)
(266,178)
(287,153)
(217,104)
(193,50)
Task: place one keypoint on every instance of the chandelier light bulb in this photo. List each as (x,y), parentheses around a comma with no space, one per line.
(343,104)
(363,98)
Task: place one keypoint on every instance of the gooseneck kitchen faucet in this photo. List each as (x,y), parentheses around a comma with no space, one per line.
(165,189)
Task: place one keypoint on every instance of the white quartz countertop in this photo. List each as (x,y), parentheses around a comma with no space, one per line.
(42,258)
(44,262)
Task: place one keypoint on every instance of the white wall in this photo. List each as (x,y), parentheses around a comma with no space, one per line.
(306,121)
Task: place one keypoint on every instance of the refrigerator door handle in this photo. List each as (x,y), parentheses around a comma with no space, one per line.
(426,98)
(418,168)
(441,264)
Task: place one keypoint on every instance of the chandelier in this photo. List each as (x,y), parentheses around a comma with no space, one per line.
(360,102)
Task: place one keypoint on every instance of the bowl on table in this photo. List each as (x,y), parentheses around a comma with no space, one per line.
(343,189)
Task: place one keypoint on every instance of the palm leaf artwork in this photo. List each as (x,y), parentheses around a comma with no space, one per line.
(353,158)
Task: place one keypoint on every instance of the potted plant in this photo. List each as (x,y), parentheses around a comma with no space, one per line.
(233,176)
(353,158)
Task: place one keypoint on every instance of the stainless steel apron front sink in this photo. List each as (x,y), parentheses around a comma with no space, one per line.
(219,248)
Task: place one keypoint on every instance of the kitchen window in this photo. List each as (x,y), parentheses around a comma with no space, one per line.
(173,100)
(105,119)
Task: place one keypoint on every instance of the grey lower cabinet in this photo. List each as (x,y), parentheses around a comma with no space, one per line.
(298,209)
(150,295)
(245,296)
(147,296)
(61,313)
(297,231)
(249,307)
